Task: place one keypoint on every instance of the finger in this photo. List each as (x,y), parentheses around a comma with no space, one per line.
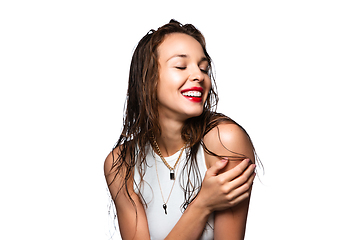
(243,178)
(215,169)
(235,171)
(243,191)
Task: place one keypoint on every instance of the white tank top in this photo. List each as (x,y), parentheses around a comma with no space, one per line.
(160,224)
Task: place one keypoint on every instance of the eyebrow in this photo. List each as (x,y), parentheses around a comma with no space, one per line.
(178,55)
(203,59)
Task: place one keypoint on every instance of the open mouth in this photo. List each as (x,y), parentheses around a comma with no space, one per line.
(193,94)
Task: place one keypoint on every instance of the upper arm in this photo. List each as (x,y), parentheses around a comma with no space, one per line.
(230,140)
(131,215)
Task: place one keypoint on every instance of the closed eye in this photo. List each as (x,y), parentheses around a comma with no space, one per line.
(181,68)
(205,70)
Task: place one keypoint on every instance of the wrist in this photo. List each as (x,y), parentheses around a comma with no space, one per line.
(192,222)
(200,208)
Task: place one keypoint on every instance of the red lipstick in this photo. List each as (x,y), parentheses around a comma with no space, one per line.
(199,89)
(193,94)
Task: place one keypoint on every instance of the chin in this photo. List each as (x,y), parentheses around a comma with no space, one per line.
(194,113)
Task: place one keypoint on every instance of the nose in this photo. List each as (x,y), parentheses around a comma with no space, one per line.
(197,74)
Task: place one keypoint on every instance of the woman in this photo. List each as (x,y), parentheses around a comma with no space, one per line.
(179,169)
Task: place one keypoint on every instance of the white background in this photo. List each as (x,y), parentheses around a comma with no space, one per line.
(287,71)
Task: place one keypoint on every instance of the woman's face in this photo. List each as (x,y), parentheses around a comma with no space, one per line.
(183,80)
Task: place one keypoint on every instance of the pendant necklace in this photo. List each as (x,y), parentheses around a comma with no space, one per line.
(172,173)
(162,195)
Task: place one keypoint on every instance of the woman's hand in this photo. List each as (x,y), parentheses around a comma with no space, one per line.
(220,191)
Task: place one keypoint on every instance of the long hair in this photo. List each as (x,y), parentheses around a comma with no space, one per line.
(141,112)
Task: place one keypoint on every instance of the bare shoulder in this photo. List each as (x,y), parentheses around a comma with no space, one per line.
(228,139)
(110,160)
(115,173)
(228,133)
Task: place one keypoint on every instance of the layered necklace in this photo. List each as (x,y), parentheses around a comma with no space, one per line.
(172,171)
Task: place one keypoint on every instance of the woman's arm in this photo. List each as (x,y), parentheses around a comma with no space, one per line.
(132,223)
(218,191)
(228,139)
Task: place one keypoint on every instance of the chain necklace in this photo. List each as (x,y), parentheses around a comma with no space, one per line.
(172,187)
(172,173)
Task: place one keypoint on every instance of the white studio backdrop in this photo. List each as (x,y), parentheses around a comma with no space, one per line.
(287,71)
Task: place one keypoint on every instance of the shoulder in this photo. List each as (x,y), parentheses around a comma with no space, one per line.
(116,168)
(228,139)
(227,132)
(117,159)
(110,161)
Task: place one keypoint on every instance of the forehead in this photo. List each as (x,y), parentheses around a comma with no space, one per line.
(180,44)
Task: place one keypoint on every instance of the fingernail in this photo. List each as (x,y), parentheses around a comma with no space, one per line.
(225,159)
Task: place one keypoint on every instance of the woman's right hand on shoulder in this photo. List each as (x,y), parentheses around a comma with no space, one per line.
(220,191)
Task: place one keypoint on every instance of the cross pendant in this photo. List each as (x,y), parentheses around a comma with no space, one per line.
(164,206)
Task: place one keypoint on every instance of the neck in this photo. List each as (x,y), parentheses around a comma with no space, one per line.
(170,140)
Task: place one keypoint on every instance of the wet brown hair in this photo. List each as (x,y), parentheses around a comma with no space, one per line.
(141,113)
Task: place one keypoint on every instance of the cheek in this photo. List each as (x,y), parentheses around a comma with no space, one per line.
(207,85)
(166,86)
(170,81)
(162,84)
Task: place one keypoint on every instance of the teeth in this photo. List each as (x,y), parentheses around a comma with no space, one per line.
(192,94)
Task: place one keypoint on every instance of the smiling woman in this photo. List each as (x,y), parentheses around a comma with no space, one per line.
(183,83)
(179,170)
